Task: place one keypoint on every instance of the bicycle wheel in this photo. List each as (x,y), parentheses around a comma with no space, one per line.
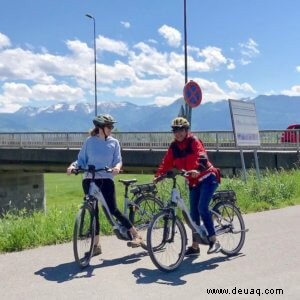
(166,240)
(83,236)
(144,209)
(230,227)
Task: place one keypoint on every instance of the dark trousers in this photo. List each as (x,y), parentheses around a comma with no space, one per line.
(200,197)
(107,188)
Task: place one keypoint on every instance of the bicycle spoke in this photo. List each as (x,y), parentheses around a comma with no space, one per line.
(145,208)
(229,227)
(166,247)
(83,237)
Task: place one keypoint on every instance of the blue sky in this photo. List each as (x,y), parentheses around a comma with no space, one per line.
(236,49)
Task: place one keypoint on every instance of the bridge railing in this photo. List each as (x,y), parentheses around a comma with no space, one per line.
(213,140)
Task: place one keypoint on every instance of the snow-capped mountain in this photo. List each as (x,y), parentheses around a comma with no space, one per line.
(273,112)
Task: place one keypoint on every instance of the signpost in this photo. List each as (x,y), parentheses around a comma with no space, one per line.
(245,128)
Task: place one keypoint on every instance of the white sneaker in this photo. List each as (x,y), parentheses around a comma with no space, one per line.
(214,247)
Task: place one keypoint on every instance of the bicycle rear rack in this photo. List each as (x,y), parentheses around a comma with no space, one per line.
(144,188)
(227,195)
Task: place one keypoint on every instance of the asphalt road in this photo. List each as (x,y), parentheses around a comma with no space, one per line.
(270,260)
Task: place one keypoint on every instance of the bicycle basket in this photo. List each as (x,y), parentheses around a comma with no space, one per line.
(226,195)
(144,188)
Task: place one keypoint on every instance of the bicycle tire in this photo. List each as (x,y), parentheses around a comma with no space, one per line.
(142,212)
(166,253)
(83,235)
(230,227)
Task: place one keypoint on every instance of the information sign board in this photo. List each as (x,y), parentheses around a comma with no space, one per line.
(244,123)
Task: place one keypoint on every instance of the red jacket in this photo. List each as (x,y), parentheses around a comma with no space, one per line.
(190,154)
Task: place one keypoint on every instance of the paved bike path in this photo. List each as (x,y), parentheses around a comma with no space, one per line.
(269,260)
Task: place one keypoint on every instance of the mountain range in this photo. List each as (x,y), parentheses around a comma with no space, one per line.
(273,112)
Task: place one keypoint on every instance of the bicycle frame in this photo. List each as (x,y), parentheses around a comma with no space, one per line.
(199,232)
(167,236)
(119,230)
(178,201)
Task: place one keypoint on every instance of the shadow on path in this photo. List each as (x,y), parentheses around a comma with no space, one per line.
(69,271)
(174,278)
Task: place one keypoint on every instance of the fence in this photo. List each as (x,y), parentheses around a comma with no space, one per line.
(213,140)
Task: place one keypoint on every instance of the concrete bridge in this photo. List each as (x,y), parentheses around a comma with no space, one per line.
(24,157)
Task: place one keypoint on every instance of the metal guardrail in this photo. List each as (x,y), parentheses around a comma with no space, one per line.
(213,140)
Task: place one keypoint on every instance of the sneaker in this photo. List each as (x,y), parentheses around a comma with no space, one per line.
(214,247)
(192,251)
(136,242)
(97,250)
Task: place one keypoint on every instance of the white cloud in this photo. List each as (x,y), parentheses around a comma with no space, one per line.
(250,48)
(80,50)
(172,35)
(144,88)
(248,51)
(17,94)
(24,65)
(153,87)
(54,92)
(293,91)
(149,61)
(212,60)
(4,41)
(298,68)
(245,87)
(245,62)
(230,64)
(141,71)
(211,92)
(125,24)
(110,45)
(118,72)
(162,101)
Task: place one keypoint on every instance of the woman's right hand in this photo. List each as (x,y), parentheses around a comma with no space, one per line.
(70,169)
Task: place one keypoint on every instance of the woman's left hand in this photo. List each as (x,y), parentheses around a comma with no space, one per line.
(193,173)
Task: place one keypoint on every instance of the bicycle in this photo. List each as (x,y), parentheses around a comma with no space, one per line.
(140,210)
(167,237)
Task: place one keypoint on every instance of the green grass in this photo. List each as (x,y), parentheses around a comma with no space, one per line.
(20,230)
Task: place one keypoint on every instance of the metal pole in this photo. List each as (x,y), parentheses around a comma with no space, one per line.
(243,165)
(95,61)
(185,46)
(188,109)
(256,164)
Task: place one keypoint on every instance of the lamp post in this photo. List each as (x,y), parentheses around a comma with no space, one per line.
(188,109)
(95,60)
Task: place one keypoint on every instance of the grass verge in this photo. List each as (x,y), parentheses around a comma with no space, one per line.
(20,230)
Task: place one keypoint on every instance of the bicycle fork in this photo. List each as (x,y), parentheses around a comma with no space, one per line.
(168,237)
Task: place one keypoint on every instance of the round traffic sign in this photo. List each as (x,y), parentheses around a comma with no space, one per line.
(192,94)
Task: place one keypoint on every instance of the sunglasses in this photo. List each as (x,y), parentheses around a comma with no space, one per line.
(110,126)
(178,129)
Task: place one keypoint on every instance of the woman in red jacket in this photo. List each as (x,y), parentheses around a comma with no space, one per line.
(188,153)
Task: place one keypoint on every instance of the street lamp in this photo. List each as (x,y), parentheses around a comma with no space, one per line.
(188,109)
(95,60)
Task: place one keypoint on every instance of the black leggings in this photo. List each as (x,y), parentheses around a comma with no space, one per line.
(107,188)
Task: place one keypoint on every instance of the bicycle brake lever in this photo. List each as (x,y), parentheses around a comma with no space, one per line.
(108,169)
(75,171)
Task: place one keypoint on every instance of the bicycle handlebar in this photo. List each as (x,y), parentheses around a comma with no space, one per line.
(91,169)
(172,174)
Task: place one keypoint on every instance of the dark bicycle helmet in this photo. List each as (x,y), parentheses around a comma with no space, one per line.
(103,120)
(180,122)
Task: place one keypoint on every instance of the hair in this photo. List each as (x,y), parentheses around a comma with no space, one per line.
(94,131)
